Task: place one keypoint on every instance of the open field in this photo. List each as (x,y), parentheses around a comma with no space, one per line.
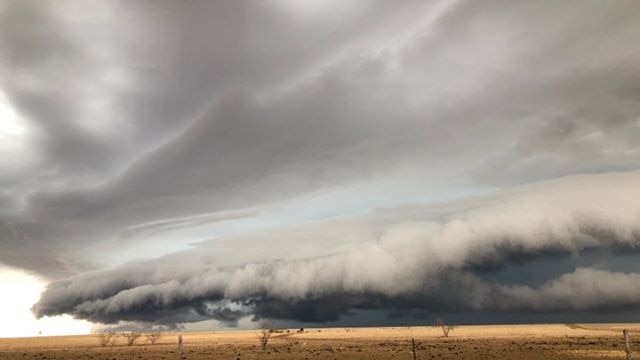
(465,342)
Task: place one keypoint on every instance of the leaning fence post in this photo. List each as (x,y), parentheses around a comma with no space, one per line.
(627,349)
(180,353)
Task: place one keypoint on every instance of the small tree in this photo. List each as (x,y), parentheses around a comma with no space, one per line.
(264,335)
(105,338)
(443,326)
(153,337)
(131,337)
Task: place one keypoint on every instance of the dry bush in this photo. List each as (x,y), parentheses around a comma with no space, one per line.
(264,335)
(106,338)
(444,327)
(131,337)
(153,337)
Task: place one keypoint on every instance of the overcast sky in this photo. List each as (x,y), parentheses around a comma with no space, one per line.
(215,163)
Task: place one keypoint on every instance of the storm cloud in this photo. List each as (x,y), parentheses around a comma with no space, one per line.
(393,256)
(168,162)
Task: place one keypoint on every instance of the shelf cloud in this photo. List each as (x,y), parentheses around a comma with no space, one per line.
(397,253)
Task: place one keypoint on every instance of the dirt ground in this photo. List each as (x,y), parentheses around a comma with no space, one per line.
(547,342)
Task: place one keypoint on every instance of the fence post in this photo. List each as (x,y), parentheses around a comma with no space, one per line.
(413,348)
(627,349)
(180,352)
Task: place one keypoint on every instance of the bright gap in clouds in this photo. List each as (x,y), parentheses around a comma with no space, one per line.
(18,292)
(14,138)
(9,125)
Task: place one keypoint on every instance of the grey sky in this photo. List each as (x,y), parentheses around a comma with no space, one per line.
(175,144)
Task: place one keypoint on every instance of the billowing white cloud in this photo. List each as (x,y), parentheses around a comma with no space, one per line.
(392,253)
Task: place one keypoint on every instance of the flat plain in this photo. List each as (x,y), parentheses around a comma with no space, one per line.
(549,342)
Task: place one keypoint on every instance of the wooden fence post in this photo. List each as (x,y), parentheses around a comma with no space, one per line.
(413,348)
(627,349)
(180,352)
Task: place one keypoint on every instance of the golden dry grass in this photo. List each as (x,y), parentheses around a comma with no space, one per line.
(466,342)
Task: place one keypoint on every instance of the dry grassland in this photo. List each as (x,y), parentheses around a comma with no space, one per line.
(546,342)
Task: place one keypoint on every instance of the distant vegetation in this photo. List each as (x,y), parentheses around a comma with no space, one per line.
(439,323)
(153,337)
(106,338)
(264,335)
